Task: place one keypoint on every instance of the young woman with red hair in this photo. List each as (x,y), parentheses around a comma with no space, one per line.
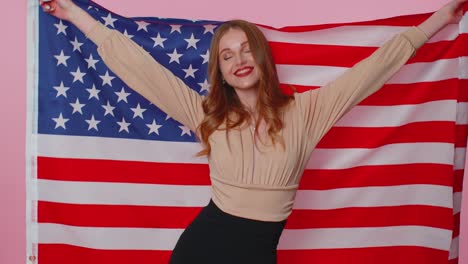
(257,139)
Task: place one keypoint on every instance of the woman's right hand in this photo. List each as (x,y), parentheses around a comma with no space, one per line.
(62,9)
(67,10)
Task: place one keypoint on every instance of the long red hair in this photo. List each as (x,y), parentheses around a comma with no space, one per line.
(222,103)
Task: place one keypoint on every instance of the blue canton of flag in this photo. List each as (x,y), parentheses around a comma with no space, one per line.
(83,97)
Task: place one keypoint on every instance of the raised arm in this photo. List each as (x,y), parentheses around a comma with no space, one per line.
(323,107)
(134,65)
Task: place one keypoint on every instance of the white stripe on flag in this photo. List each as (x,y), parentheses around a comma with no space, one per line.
(308,75)
(392,154)
(454,248)
(352,35)
(464,24)
(123,193)
(165,239)
(366,237)
(462,113)
(118,149)
(459,163)
(109,238)
(417,194)
(198,196)
(457,202)
(463,61)
(140,150)
(399,115)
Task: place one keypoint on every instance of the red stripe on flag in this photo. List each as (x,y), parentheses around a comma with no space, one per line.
(403,94)
(462,91)
(116,215)
(181,217)
(67,254)
(325,55)
(383,175)
(458,180)
(456,225)
(59,254)
(442,50)
(122,171)
(461,131)
(371,217)
(414,93)
(453,261)
(381,255)
(409,20)
(347,56)
(374,137)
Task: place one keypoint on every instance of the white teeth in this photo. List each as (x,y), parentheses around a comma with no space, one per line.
(243,71)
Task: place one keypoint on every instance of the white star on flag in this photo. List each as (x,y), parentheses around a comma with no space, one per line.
(91,61)
(127,35)
(185,130)
(175,28)
(60,121)
(138,111)
(209,29)
(174,56)
(77,106)
(142,25)
(61,28)
(93,92)
(107,79)
(62,59)
(205,86)
(109,109)
(92,123)
(206,57)
(76,44)
(61,90)
(78,75)
(123,125)
(153,128)
(158,41)
(122,95)
(192,42)
(190,71)
(109,20)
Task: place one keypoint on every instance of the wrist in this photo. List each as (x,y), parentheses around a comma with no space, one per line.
(434,23)
(74,14)
(444,16)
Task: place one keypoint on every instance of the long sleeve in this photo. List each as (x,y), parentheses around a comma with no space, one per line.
(142,73)
(322,108)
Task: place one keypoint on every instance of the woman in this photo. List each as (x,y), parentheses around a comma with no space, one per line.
(257,139)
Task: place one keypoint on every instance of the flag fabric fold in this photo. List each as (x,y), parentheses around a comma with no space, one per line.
(113,179)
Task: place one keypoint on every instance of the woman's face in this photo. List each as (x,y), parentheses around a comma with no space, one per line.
(236,61)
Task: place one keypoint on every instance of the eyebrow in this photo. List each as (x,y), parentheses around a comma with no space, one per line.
(242,44)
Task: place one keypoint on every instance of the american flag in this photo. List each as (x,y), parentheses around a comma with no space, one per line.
(113,179)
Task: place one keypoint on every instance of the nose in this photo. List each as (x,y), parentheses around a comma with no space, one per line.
(240,59)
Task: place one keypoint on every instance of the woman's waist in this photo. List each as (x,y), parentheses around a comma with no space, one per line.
(254,201)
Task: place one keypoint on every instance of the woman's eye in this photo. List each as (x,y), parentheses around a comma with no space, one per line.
(227,57)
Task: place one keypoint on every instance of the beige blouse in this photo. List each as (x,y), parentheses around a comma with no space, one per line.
(257,181)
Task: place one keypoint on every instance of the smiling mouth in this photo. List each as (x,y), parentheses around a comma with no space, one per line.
(243,71)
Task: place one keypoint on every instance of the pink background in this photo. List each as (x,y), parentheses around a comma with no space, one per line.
(13,68)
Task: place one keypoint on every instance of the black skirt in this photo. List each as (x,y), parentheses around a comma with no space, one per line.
(217,237)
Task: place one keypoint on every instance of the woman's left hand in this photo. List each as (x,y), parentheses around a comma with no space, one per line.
(453,11)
